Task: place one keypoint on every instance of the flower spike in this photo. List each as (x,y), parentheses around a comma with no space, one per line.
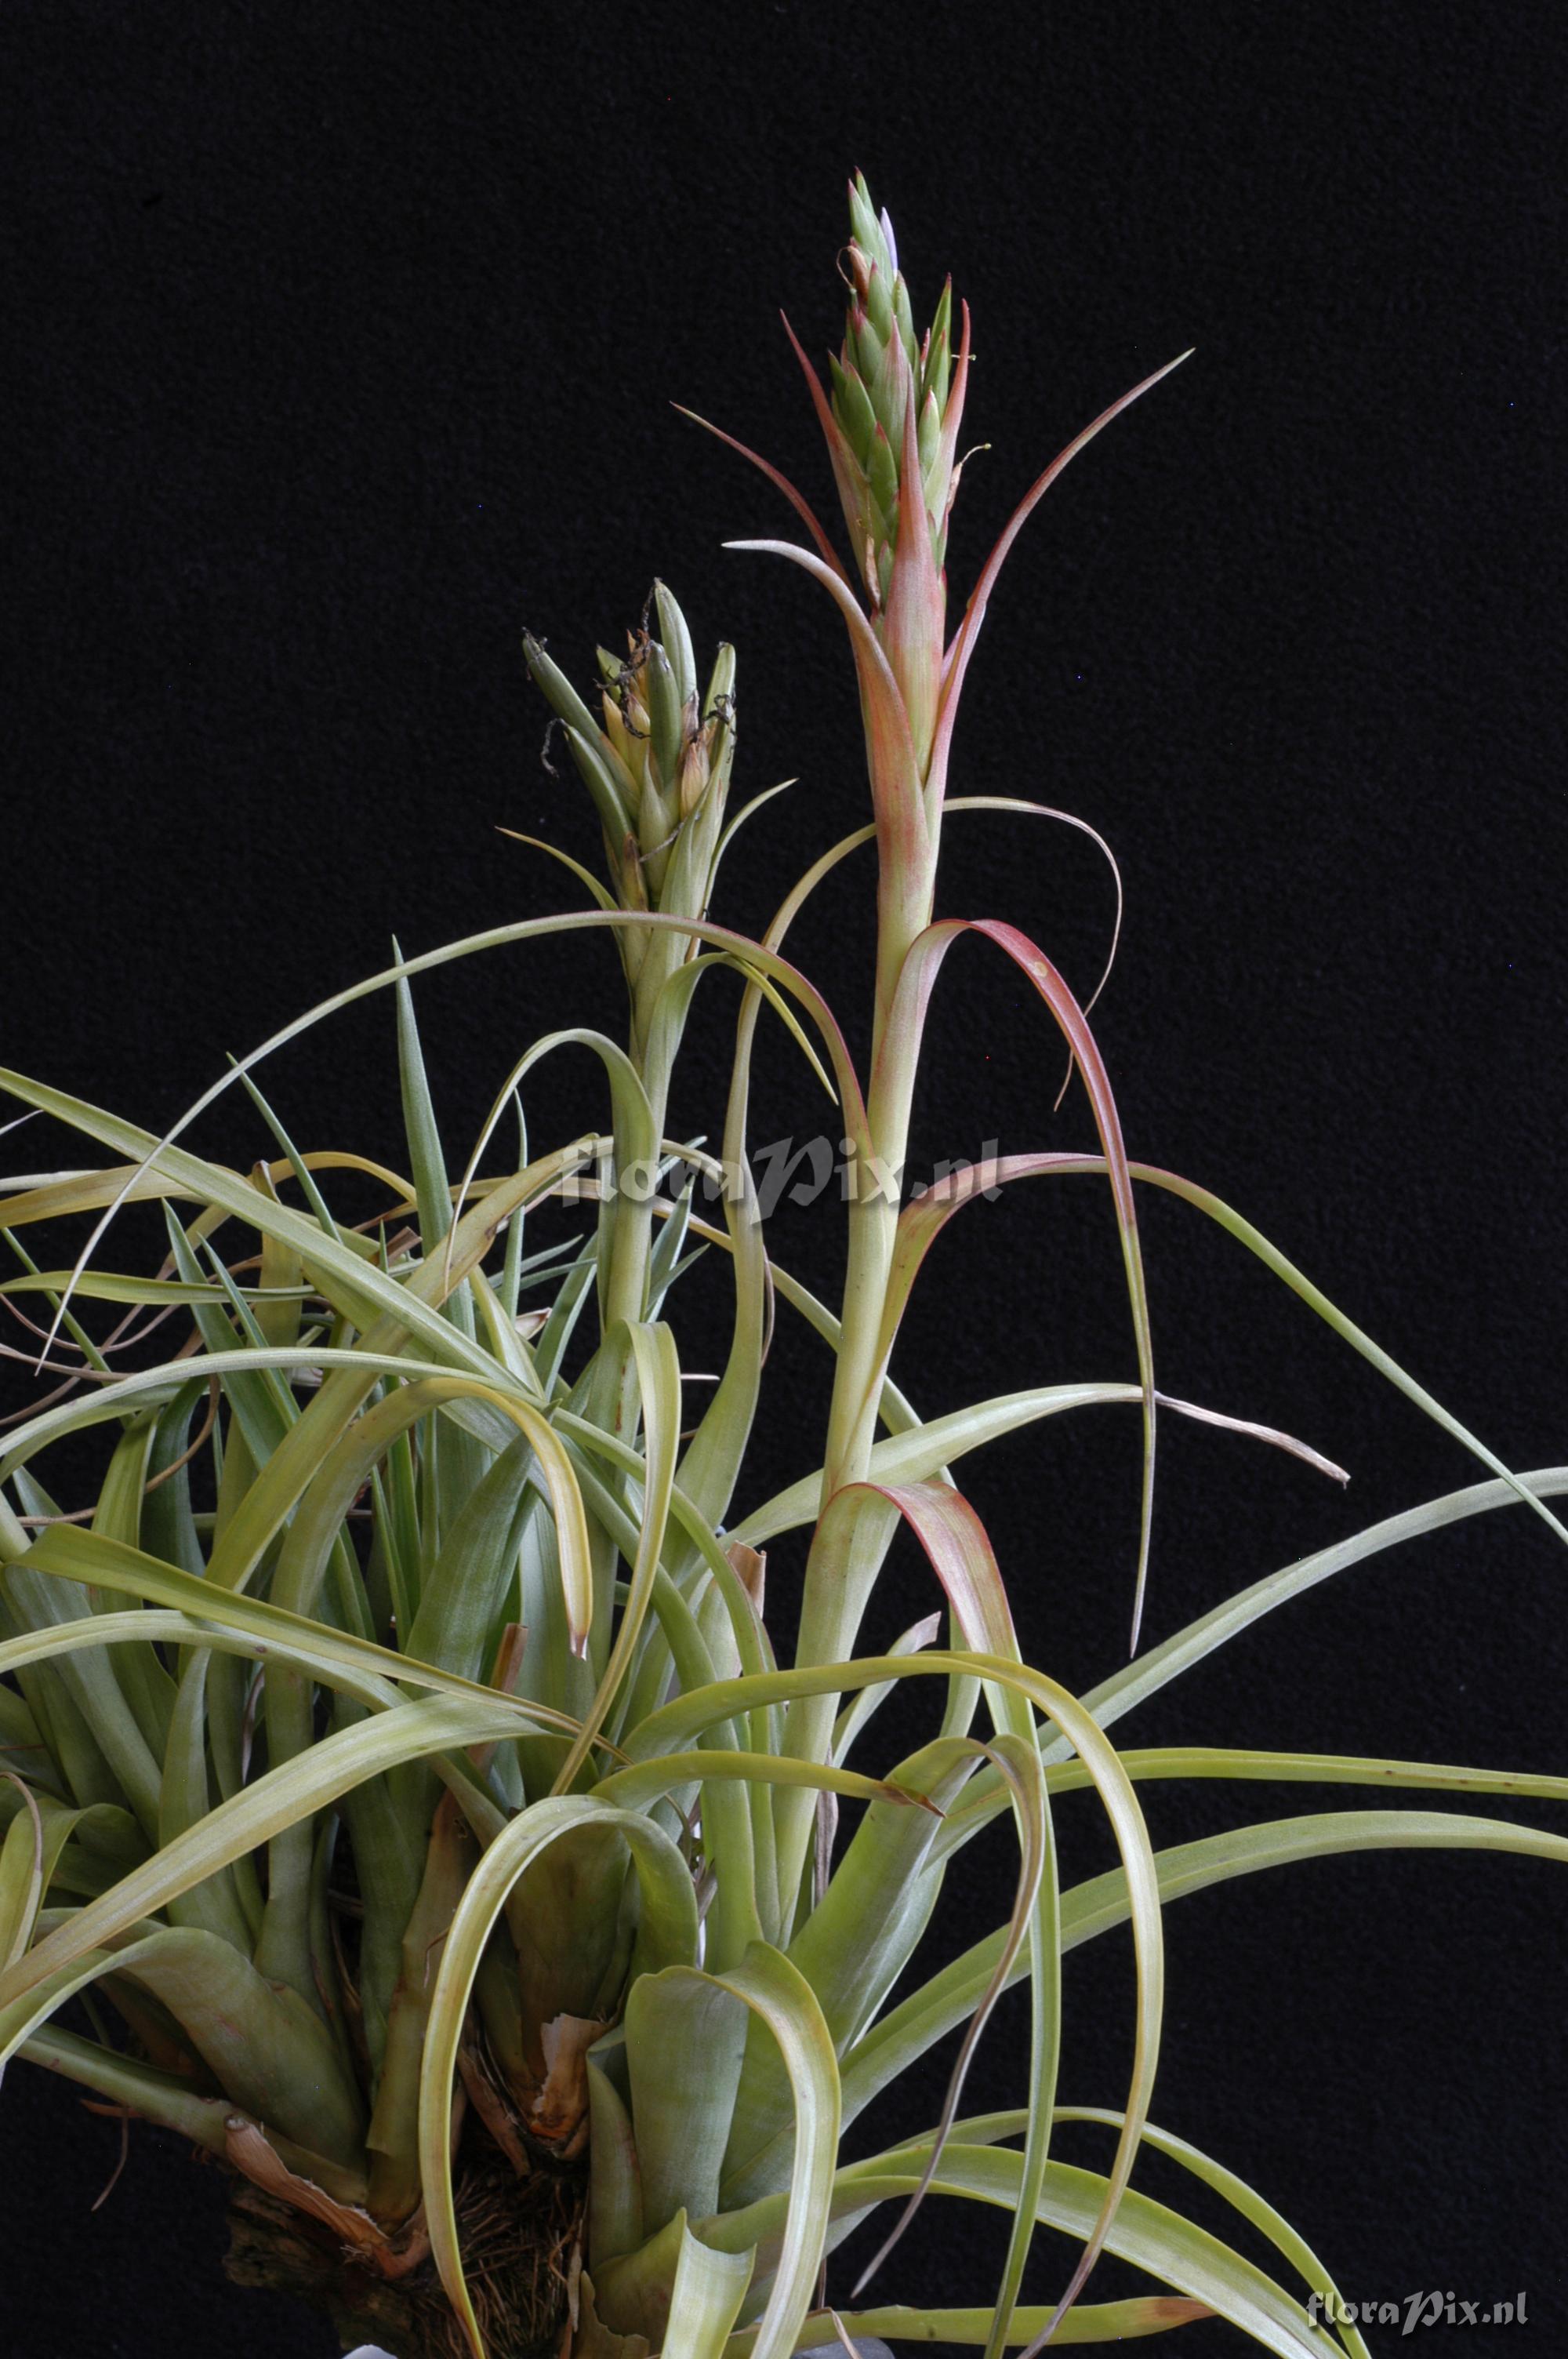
(656,763)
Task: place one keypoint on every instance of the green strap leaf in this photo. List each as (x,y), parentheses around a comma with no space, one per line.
(87,1675)
(297,1790)
(783,1998)
(185,1799)
(27,1857)
(658,1382)
(1106,2321)
(710,2289)
(686,2036)
(1200,1761)
(265,2048)
(162,2097)
(615,2178)
(69,1553)
(1118,1695)
(1246,2200)
(1175,2251)
(891,2046)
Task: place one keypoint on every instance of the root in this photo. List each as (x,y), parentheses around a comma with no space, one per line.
(518,2237)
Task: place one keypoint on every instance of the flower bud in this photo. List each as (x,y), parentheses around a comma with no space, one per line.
(657,764)
(882,378)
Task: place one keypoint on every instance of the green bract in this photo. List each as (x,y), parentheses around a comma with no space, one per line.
(398,1744)
(883,379)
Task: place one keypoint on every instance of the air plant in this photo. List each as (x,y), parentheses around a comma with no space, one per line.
(401,1763)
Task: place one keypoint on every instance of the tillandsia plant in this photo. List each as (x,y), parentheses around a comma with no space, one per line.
(406,1769)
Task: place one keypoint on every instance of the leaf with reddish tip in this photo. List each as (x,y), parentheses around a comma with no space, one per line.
(912,1452)
(846,468)
(960,1553)
(896,771)
(798,500)
(916,983)
(916,604)
(974,613)
(952,416)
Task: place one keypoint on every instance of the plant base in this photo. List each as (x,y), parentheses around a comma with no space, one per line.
(517,2236)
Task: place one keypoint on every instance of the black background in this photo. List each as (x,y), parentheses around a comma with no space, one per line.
(341,344)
